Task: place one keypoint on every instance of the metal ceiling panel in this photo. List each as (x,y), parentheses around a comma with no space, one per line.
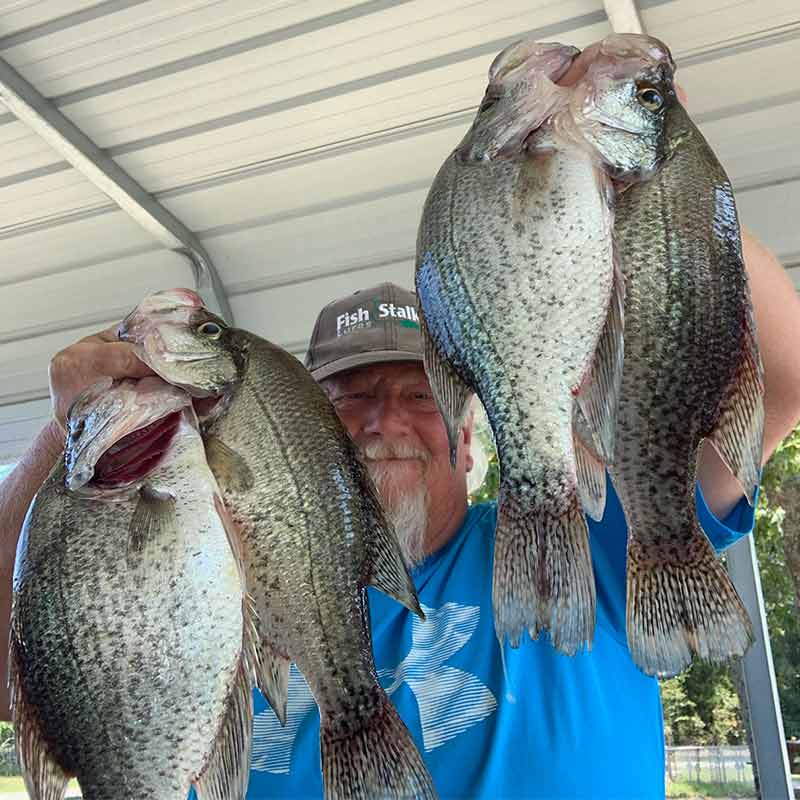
(298,140)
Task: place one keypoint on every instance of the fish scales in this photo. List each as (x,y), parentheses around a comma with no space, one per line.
(303,513)
(688,334)
(126,665)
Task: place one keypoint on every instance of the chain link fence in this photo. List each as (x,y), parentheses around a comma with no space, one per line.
(720,765)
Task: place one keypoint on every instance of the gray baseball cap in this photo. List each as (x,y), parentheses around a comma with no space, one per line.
(367,327)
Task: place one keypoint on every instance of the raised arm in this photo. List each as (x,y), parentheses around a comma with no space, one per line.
(777,312)
(71,371)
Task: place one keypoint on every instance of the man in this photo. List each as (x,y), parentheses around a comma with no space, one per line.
(489,723)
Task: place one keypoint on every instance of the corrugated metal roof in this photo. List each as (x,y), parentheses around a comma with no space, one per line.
(298,139)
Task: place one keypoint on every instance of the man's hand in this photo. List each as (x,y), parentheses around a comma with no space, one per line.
(86,362)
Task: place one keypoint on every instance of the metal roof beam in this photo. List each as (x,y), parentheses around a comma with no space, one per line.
(25,102)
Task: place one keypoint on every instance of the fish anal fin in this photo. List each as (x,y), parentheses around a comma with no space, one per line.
(591,471)
(738,436)
(44,777)
(229,467)
(226,773)
(273,679)
(681,603)
(153,516)
(599,392)
(451,393)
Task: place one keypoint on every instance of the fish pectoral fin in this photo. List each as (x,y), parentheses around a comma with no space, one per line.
(591,476)
(598,395)
(272,673)
(226,772)
(44,776)
(229,468)
(452,395)
(154,516)
(739,434)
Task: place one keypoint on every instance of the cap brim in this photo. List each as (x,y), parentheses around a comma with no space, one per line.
(363,359)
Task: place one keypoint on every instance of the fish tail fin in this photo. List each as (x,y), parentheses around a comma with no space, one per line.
(227,770)
(44,777)
(378,758)
(543,577)
(680,607)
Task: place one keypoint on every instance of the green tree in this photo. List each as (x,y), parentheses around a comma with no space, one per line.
(777,534)
(682,722)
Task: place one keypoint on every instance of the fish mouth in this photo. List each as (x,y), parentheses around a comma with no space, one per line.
(136,454)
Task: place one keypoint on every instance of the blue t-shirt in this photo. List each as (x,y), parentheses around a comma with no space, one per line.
(587,726)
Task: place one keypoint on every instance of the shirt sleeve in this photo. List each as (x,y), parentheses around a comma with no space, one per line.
(723,533)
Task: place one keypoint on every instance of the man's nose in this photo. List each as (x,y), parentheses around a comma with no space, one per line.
(388,417)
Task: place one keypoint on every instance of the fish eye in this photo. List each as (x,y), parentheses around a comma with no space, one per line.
(210,329)
(650,98)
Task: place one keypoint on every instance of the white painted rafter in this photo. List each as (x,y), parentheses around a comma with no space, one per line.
(30,107)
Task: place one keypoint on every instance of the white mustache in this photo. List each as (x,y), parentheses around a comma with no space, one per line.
(377,451)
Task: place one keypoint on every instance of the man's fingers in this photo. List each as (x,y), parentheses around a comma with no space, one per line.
(118,360)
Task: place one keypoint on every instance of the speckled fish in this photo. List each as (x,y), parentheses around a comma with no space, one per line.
(522,303)
(312,529)
(692,371)
(128,649)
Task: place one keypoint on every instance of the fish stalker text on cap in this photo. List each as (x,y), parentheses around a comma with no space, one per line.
(370,326)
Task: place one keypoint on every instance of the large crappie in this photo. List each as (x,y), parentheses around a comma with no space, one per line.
(521,303)
(127,655)
(312,529)
(692,371)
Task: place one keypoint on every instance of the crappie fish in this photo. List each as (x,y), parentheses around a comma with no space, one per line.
(692,371)
(313,534)
(522,303)
(127,650)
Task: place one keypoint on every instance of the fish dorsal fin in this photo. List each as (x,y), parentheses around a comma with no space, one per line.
(591,471)
(385,569)
(738,436)
(598,395)
(451,393)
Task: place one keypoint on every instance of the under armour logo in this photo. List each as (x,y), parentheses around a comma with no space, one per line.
(450,700)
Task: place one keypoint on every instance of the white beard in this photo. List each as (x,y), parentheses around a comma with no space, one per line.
(407,510)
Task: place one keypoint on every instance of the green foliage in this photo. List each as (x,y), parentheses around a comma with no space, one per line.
(783,618)
(491,482)
(701,789)
(682,721)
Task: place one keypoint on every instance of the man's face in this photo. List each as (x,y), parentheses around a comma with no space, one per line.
(390,412)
